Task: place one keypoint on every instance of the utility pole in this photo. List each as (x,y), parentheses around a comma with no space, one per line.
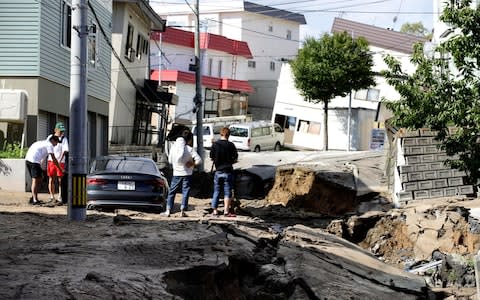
(198,88)
(77,171)
(349,116)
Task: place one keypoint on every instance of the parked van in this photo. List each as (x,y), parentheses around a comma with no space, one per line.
(211,133)
(212,127)
(257,136)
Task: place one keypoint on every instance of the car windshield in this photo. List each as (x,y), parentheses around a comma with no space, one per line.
(238,131)
(123,165)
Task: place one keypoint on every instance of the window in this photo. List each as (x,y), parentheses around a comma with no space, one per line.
(138,49)
(277,128)
(146,46)
(309,127)
(252,64)
(373,94)
(369,94)
(361,94)
(256,132)
(266,130)
(270,28)
(66,38)
(92,45)
(220,68)
(289,34)
(210,63)
(238,131)
(142,46)
(129,43)
(272,66)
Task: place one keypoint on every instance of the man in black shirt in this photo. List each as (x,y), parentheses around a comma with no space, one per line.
(224,154)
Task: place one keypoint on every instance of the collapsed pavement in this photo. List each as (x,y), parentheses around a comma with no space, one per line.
(134,258)
(441,232)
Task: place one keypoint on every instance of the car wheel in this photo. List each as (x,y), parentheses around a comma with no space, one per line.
(257,148)
(278,147)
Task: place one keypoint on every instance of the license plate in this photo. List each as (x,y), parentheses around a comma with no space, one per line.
(126,185)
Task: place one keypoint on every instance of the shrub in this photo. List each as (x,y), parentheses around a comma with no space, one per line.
(12,151)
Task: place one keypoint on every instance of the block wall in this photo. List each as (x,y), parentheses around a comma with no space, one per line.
(421,169)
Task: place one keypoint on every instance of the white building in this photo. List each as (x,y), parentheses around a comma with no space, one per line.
(223,66)
(272,35)
(132,21)
(303,120)
(442,31)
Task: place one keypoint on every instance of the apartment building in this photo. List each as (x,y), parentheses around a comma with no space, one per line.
(272,35)
(225,90)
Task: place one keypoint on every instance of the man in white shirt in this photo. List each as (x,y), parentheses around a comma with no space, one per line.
(37,152)
(54,173)
(183,159)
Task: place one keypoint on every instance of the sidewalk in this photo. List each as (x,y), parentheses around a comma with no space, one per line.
(13,202)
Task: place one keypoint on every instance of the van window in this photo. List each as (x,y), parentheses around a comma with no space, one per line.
(206,130)
(217,129)
(266,131)
(238,131)
(256,132)
(277,128)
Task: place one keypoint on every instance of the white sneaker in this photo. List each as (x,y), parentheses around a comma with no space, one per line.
(165,213)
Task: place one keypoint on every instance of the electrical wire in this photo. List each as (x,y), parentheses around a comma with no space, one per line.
(163,115)
(108,73)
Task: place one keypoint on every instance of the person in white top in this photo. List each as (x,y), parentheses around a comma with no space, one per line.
(183,158)
(37,152)
(54,173)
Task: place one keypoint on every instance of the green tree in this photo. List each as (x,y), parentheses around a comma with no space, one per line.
(439,96)
(417,29)
(332,66)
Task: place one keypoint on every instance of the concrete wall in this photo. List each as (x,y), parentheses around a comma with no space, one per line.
(13,175)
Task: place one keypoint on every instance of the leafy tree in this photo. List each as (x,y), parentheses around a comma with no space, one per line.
(417,29)
(440,97)
(332,66)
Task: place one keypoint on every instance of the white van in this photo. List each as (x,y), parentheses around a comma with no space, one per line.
(211,133)
(257,136)
(212,127)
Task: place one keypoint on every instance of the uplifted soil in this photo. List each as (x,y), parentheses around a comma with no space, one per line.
(134,255)
(281,247)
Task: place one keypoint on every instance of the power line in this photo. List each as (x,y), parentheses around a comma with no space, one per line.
(109,75)
(163,114)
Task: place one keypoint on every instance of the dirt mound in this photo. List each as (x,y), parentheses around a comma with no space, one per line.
(325,192)
(414,233)
(389,239)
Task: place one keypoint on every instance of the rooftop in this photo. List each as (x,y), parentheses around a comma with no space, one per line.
(377,36)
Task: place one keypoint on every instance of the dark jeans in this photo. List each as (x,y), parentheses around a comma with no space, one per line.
(179,181)
(227,178)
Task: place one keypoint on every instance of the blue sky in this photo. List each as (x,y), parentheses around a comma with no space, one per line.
(383,13)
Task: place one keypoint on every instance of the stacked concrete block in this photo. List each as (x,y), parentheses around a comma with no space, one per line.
(423,173)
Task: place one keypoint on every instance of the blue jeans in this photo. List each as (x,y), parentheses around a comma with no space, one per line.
(177,181)
(227,179)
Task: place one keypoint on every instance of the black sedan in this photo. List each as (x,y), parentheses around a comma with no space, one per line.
(125,182)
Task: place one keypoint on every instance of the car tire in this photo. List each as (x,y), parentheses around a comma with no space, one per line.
(257,149)
(277,147)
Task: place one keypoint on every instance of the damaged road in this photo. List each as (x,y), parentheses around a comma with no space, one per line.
(134,257)
(276,248)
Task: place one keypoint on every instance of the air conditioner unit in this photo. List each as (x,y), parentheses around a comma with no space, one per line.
(13,105)
(131,54)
